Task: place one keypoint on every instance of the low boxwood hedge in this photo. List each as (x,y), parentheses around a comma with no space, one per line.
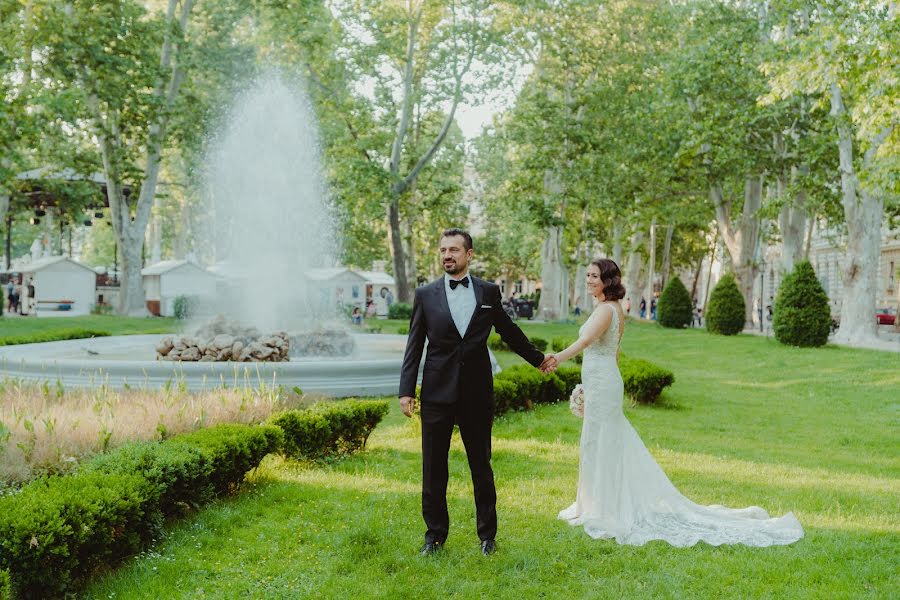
(51,336)
(496,343)
(329,428)
(521,387)
(58,530)
(399,310)
(644,381)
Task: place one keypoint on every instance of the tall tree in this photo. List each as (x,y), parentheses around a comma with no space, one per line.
(845,54)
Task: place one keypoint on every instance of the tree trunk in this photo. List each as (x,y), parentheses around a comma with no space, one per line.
(792,223)
(404,293)
(131,292)
(582,259)
(617,244)
(863,212)
(410,250)
(551,255)
(651,268)
(551,274)
(633,269)
(667,254)
(697,274)
(741,241)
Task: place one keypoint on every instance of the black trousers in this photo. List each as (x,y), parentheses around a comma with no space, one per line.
(475,417)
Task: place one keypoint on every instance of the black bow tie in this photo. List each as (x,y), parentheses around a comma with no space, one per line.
(464,281)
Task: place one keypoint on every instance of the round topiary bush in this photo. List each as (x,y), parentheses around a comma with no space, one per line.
(674,308)
(802,316)
(725,311)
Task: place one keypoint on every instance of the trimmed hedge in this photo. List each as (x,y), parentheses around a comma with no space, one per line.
(539,343)
(674,308)
(496,343)
(802,316)
(726,309)
(55,532)
(329,428)
(644,381)
(399,310)
(521,387)
(561,343)
(51,336)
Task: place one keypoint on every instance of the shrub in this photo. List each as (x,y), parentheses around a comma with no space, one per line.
(561,343)
(674,309)
(102,309)
(399,310)
(539,343)
(496,343)
(403,330)
(179,471)
(329,428)
(505,395)
(726,308)
(56,531)
(187,307)
(51,336)
(570,376)
(644,381)
(530,387)
(802,316)
(232,450)
(5,585)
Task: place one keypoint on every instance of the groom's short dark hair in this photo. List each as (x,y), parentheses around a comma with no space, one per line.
(454,231)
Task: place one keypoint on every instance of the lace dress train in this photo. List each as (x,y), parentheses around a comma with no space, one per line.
(624,494)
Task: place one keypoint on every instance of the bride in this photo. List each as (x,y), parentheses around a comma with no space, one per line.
(622,492)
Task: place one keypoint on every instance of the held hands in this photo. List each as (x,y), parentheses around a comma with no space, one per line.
(407,405)
(550,364)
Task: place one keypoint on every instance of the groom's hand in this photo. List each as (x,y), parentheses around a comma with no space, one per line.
(407,405)
(550,364)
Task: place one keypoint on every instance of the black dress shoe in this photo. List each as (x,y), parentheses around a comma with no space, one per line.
(488,547)
(431,548)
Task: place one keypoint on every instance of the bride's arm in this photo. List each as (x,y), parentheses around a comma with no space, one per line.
(594,328)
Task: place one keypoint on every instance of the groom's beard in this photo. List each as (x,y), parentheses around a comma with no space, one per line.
(452,268)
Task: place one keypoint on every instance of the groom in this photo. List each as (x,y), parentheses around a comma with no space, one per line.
(455,314)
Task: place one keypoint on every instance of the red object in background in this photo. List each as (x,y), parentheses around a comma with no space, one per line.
(886,316)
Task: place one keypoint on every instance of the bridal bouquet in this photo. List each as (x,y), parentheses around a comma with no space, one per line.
(576,401)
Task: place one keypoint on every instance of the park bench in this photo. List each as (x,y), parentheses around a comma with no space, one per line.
(55,305)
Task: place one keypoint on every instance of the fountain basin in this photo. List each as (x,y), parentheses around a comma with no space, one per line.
(117,361)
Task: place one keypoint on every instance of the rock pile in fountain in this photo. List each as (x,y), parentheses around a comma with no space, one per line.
(323,341)
(221,340)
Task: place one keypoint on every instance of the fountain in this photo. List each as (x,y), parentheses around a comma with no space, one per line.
(272,222)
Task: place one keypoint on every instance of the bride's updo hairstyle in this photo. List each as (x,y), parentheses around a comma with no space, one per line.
(611,278)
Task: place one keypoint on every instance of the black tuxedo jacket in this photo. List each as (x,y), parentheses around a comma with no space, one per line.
(457,364)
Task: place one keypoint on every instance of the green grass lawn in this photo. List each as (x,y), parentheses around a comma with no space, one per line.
(115,325)
(747,421)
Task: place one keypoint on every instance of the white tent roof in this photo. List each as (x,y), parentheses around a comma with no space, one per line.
(168,265)
(43,263)
(377,277)
(330,273)
(48,172)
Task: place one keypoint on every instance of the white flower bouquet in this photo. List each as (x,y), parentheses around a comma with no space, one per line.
(576,401)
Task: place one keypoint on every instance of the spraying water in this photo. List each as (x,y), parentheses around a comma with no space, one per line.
(272,216)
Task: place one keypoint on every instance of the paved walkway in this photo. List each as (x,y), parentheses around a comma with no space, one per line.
(888,339)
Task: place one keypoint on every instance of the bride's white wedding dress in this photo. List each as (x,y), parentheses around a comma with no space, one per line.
(622,492)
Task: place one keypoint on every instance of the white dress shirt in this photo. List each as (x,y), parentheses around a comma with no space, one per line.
(461,302)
